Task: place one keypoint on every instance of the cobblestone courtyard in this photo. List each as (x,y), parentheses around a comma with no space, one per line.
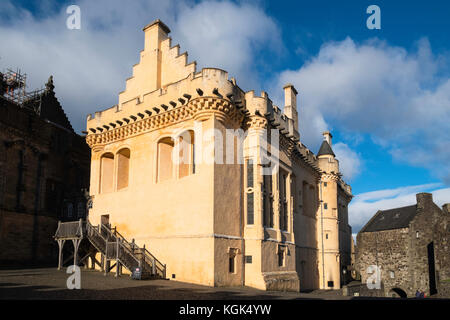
(49,283)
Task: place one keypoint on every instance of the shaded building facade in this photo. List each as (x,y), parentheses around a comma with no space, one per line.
(44,172)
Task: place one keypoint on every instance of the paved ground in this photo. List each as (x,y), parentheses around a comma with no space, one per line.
(49,283)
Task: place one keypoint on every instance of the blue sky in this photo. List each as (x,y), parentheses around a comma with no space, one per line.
(384,94)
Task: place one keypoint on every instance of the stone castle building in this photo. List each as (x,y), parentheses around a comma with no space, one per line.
(44,165)
(410,245)
(218,223)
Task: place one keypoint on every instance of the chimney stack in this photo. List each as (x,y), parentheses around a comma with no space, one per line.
(327,136)
(423,198)
(290,104)
(155,33)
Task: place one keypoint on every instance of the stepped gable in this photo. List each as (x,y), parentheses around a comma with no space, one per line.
(51,109)
(160,64)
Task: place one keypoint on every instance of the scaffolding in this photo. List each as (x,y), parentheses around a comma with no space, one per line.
(13,88)
(14,84)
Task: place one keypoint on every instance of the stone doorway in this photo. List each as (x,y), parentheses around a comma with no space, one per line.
(397,293)
(431,268)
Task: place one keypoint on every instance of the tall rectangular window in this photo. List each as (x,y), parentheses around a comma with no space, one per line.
(267,200)
(250,209)
(249,173)
(250,192)
(231,264)
(283,200)
(281,261)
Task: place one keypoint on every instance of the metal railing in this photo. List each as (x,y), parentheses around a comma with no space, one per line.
(141,255)
(114,247)
(129,253)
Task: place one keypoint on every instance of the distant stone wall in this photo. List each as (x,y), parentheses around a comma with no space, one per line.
(359,289)
(389,251)
(444,289)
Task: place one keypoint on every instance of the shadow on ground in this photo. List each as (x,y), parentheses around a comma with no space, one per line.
(49,283)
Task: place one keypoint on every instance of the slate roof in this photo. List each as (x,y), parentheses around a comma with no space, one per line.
(47,106)
(325,149)
(396,218)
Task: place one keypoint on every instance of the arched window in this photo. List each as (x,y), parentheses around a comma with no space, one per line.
(165,160)
(106,173)
(186,165)
(123,167)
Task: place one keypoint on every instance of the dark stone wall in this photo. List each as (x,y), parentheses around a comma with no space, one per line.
(444,289)
(43,166)
(389,250)
(425,229)
(20,240)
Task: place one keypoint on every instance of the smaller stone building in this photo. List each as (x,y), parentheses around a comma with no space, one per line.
(410,246)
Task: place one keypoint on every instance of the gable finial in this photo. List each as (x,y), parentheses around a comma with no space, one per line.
(49,85)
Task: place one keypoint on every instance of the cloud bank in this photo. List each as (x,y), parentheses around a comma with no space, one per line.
(90,65)
(400,98)
(350,162)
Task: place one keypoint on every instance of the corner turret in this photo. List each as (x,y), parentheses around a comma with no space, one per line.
(325,148)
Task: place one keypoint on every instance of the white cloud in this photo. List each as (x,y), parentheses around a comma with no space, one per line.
(90,65)
(349,161)
(365,205)
(400,98)
(394,193)
(228,35)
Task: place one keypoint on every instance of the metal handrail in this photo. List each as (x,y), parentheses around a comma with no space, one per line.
(122,245)
(158,264)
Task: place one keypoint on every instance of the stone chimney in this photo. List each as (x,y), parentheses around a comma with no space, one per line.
(155,33)
(446,207)
(150,64)
(327,136)
(423,199)
(290,104)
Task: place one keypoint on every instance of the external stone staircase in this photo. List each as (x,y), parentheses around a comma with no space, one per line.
(112,246)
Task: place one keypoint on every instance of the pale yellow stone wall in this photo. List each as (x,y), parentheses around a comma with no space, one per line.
(194,224)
